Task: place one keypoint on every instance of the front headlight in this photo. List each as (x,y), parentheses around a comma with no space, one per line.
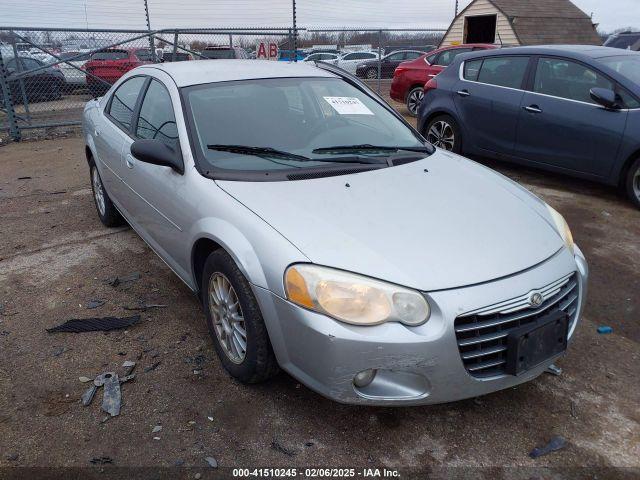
(562,227)
(353,298)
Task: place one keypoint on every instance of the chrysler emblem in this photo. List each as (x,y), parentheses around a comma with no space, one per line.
(536,299)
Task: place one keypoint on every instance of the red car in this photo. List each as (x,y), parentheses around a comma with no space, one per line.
(111,63)
(409,77)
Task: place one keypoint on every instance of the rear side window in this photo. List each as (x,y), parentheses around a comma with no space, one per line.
(156,118)
(431,58)
(412,55)
(472,69)
(144,55)
(446,57)
(110,55)
(124,100)
(503,71)
(566,79)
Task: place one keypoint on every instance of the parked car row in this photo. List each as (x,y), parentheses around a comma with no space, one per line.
(568,109)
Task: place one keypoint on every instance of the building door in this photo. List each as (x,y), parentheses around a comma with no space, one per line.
(480,29)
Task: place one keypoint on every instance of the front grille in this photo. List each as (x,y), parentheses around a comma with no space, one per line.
(482,334)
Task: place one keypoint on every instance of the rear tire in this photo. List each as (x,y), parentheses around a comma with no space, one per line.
(235,322)
(443,132)
(107,212)
(632,182)
(414,97)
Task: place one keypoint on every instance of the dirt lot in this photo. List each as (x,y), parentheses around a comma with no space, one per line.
(55,257)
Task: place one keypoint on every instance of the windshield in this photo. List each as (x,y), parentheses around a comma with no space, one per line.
(110,55)
(219,53)
(300,116)
(626,65)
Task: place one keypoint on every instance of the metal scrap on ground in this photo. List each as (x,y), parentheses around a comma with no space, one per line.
(97,324)
(556,443)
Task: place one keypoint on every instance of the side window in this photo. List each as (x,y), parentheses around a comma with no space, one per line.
(156,118)
(412,55)
(567,79)
(124,100)
(472,69)
(351,56)
(503,71)
(30,63)
(396,57)
(628,101)
(431,58)
(446,57)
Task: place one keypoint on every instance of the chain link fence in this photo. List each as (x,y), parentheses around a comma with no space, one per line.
(47,75)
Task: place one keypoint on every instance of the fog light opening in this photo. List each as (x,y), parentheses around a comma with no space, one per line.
(364,378)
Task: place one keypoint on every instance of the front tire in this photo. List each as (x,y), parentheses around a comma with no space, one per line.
(443,132)
(107,212)
(414,98)
(632,183)
(235,322)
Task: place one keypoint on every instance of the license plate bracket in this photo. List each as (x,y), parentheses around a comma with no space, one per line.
(530,345)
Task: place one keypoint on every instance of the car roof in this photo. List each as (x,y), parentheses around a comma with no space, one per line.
(198,72)
(578,52)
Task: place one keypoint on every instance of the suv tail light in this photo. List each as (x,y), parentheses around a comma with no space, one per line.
(430,85)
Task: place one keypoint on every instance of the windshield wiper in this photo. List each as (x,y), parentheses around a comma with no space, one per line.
(365,147)
(258,151)
(272,152)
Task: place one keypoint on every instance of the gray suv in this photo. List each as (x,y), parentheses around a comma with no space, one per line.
(570,109)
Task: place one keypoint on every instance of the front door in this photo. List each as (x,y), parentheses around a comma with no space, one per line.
(159,211)
(561,126)
(488,101)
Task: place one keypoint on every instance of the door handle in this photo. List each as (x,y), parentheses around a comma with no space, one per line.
(96,132)
(128,160)
(533,109)
(463,93)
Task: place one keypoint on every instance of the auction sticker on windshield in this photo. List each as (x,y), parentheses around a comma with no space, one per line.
(348,106)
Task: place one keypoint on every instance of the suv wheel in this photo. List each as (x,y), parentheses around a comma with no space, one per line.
(632,183)
(235,322)
(443,132)
(414,99)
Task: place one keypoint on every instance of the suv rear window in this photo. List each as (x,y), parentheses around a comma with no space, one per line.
(110,55)
(219,53)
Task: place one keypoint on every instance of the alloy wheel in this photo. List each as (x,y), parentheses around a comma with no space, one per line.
(635,183)
(372,74)
(414,100)
(228,321)
(98,191)
(441,135)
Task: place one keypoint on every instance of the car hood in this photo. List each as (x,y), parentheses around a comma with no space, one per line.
(437,223)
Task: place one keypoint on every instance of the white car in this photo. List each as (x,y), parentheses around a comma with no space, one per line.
(350,61)
(321,57)
(73,75)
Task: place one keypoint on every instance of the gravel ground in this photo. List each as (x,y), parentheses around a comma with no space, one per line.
(55,257)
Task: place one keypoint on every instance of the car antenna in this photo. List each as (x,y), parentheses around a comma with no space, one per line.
(499,39)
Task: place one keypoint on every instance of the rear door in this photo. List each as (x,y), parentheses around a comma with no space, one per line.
(561,126)
(110,133)
(155,192)
(487,98)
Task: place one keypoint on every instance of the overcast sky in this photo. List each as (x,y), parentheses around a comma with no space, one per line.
(610,14)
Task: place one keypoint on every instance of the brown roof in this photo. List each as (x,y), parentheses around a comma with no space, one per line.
(539,8)
(538,22)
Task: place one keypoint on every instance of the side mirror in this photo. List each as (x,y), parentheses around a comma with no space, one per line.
(156,152)
(604,97)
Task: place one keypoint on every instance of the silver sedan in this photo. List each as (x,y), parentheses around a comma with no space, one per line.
(325,237)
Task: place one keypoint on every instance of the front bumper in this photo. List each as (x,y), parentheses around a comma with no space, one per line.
(416,365)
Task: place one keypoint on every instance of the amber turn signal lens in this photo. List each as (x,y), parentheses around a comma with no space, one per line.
(296,288)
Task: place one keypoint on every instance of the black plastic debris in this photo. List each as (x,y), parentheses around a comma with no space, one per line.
(152,367)
(24,178)
(556,443)
(124,280)
(278,447)
(98,324)
(144,307)
(91,304)
(101,460)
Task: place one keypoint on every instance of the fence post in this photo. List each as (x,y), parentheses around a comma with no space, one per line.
(8,103)
(23,91)
(295,33)
(175,46)
(379,60)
